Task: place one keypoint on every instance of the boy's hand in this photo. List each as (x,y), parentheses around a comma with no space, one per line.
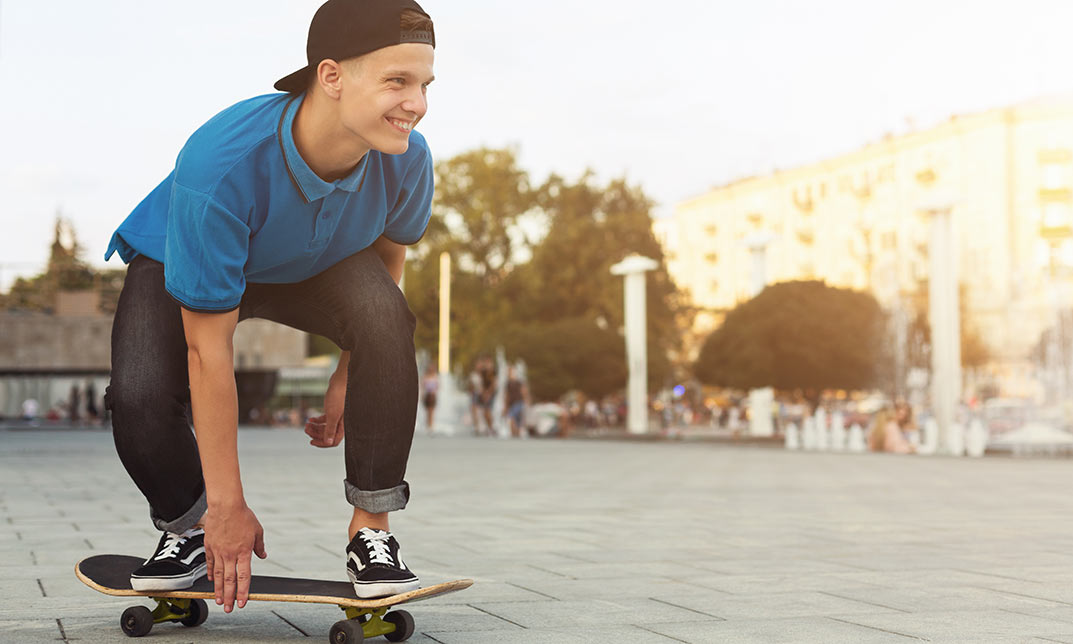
(230,536)
(326,430)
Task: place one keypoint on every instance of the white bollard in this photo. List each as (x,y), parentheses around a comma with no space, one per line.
(838,432)
(929,442)
(808,434)
(856,443)
(956,440)
(793,438)
(823,437)
(976,441)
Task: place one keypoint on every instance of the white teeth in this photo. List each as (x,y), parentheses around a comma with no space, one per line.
(406,125)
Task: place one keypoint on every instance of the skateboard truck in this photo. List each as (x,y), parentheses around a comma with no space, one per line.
(361,623)
(137,621)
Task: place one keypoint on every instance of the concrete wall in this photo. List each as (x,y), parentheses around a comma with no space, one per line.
(43,356)
(38,342)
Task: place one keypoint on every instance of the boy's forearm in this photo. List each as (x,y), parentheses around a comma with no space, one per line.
(214,398)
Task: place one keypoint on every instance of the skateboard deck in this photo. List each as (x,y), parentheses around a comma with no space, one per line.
(110,574)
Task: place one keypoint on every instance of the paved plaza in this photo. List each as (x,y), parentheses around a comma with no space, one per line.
(587,541)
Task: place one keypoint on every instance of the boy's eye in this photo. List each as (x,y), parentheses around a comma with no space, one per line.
(396,80)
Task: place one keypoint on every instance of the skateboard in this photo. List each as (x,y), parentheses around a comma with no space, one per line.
(110,574)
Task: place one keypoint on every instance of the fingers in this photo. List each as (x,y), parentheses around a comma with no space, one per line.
(209,563)
(218,580)
(242,577)
(338,437)
(230,585)
(259,546)
(317,429)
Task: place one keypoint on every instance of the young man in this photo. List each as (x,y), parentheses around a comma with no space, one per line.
(294,207)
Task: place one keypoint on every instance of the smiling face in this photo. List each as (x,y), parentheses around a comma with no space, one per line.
(383,95)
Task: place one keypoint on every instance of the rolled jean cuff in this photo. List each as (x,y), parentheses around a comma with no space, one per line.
(378,501)
(188,520)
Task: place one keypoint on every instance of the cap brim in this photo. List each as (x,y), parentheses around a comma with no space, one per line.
(295,83)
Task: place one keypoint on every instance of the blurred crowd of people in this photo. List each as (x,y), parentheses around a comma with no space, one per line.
(83,406)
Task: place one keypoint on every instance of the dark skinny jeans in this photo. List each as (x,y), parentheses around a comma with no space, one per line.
(355,303)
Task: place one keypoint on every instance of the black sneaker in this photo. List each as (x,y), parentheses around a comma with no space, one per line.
(374,566)
(178,562)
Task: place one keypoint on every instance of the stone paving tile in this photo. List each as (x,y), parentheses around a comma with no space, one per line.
(962,625)
(950,598)
(609,635)
(29,631)
(781,582)
(604,589)
(780,631)
(590,612)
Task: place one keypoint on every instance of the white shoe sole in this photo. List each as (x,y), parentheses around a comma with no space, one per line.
(373,590)
(176,582)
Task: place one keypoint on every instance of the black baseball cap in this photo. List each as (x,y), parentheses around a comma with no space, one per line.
(344,29)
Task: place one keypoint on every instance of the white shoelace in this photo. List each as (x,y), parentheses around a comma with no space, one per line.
(172,543)
(376,541)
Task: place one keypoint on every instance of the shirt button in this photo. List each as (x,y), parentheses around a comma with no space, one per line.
(326,215)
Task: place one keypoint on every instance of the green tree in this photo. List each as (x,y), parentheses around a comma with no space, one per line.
(590,228)
(65,271)
(481,198)
(528,259)
(569,354)
(797,335)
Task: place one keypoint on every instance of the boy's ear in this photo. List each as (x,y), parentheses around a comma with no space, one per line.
(329,77)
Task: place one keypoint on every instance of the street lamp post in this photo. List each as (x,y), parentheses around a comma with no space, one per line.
(633,268)
(445,315)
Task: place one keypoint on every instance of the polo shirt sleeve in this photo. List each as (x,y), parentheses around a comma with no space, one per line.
(205,252)
(407,221)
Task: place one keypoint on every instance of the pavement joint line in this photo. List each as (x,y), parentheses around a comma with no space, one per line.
(714,590)
(486,612)
(42,587)
(290,623)
(575,557)
(63,634)
(861,601)
(649,630)
(692,610)
(991,574)
(276,563)
(89,544)
(551,572)
(882,630)
(433,638)
(1010,592)
(33,557)
(509,583)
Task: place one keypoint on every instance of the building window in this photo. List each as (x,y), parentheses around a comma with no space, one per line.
(711,258)
(711,230)
(1054,176)
(1056,216)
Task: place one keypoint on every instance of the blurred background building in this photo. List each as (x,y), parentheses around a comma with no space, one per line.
(859,221)
(45,356)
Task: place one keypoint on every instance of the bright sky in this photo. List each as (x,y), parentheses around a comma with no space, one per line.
(677,95)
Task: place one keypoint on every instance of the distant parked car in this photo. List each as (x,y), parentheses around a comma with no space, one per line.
(1001,415)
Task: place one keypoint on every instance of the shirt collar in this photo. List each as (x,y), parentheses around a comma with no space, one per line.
(308,183)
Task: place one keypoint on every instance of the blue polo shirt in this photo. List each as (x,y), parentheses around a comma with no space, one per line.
(243,206)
